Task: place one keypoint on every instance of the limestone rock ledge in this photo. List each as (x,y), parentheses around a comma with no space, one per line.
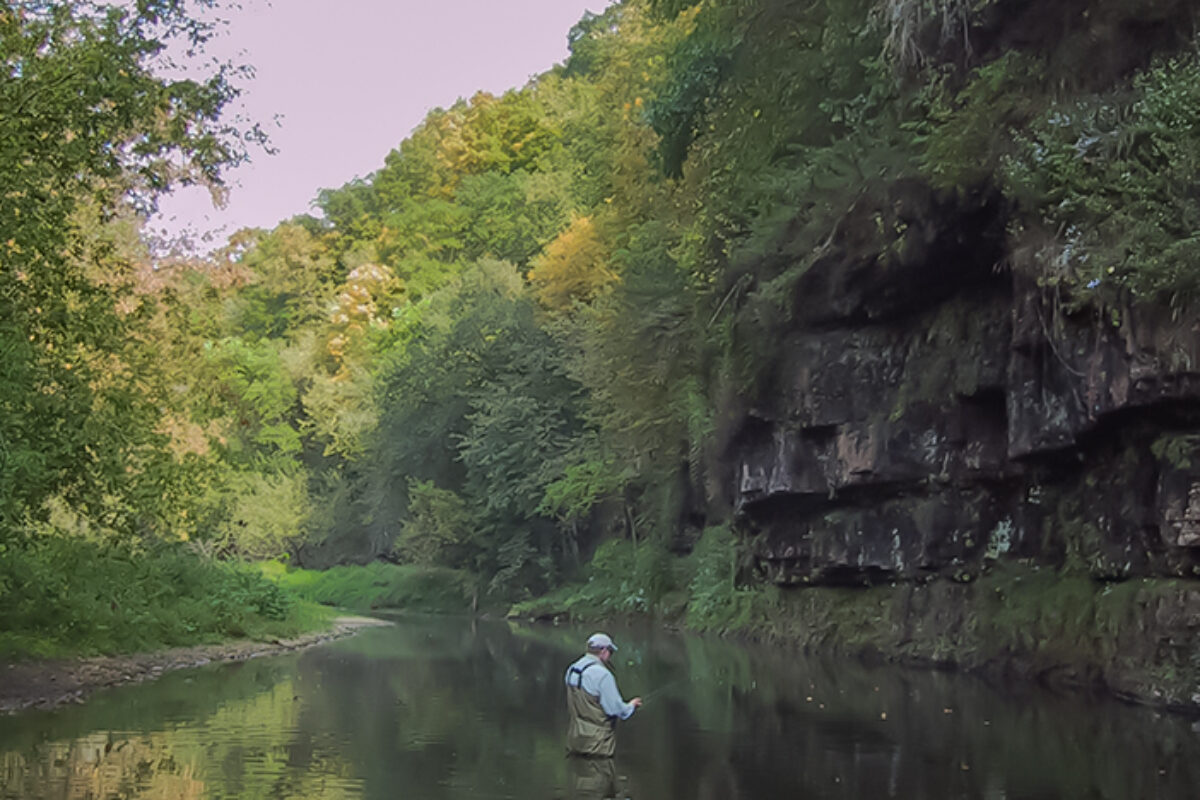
(931,415)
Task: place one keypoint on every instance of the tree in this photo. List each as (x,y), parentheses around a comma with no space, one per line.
(438,529)
(292,277)
(87,127)
(573,268)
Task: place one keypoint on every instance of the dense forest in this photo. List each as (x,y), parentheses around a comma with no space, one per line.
(518,357)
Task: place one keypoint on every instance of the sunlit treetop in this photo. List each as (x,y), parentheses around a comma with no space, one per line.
(89,105)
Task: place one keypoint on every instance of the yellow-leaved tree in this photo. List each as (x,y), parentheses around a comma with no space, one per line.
(365,300)
(573,268)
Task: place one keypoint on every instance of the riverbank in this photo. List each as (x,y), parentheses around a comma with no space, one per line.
(1137,640)
(1134,640)
(47,684)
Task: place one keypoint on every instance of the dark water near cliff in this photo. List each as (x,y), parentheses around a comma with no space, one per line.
(447,708)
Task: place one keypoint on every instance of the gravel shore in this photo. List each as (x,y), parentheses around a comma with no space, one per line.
(47,684)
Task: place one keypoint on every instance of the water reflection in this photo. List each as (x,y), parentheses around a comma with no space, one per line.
(437,708)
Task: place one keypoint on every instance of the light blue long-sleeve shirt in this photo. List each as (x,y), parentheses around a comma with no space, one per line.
(598,681)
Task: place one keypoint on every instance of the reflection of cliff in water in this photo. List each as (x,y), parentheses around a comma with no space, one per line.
(443,708)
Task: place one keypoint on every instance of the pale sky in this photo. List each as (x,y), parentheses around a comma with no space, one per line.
(349,79)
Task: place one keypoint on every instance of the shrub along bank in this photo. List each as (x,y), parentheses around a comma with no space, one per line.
(69,596)
(65,596)
(701,590)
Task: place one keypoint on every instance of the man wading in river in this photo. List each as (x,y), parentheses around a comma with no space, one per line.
(594,703)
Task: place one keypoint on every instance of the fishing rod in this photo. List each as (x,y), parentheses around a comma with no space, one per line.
(661,689)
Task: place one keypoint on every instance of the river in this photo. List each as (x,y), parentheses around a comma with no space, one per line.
(434,708)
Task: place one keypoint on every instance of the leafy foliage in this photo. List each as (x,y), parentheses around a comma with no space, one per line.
(581,487)
(86,128)
(573,268)
(1116,173)
(378,585)
(697,69)
(70,595)
(438,530)
(622,579)
(716,601)
(968,133)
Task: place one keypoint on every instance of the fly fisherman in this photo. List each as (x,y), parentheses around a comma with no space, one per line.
(594,703)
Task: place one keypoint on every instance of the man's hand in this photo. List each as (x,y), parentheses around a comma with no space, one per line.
(636,702)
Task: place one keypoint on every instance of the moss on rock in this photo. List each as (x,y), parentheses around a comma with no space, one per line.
(1135,639)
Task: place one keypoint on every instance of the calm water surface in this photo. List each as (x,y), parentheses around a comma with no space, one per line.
(449,708)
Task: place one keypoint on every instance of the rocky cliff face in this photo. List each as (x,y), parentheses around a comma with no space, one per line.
(933,414)
(932,411)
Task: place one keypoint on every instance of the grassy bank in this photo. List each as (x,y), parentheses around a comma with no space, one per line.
(66,596)
(378,585)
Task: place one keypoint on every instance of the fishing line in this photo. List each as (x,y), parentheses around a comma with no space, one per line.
(663,688)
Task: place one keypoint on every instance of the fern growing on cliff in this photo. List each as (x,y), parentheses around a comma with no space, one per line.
(1116,173)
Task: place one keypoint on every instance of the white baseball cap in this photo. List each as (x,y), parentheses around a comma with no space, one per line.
(599,640)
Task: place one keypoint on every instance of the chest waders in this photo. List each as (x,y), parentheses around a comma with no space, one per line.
(590,732)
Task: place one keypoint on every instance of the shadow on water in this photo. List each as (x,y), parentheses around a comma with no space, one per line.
(452,708)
